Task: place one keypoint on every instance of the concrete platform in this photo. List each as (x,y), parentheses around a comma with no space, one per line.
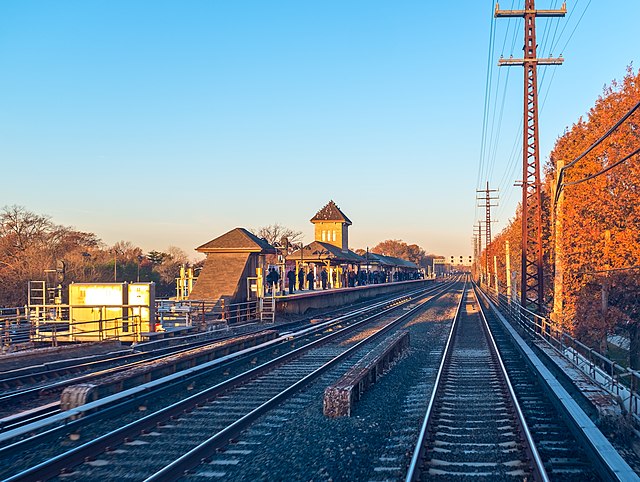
(302,301)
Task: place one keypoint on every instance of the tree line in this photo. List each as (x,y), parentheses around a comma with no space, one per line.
(33,247)
(599,245)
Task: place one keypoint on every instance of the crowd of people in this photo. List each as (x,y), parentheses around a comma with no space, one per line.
(349,278)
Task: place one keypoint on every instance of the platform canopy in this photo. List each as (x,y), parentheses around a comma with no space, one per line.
(318,251)
(390,262)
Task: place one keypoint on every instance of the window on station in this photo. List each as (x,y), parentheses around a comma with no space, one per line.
(324,235)
(334,235)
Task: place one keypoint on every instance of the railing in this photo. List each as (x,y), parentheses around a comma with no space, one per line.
(616,379)
(172,313)
(15,329)
(110,329)
(25,326)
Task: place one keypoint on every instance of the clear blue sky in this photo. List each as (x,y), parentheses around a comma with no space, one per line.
(171,122)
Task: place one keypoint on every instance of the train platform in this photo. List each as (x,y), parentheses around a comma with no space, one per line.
(300,302)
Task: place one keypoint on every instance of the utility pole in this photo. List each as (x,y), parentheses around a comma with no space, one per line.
(532,290)
(478,236)
(558,275)
(507,263)
(487,198)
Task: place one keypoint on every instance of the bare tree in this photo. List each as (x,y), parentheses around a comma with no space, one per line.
(279,235)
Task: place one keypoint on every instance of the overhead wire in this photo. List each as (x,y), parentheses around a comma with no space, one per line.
(606,169)
(496,127)
(493,115)
(491,136)
(487,98)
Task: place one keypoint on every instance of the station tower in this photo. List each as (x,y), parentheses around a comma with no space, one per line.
(332,226)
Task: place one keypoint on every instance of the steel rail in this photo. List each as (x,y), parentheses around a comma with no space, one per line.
(540,473)
(128,397)
(220,439)
(418,453)
(608,463)
(12,421)
(77,455)
(413,472)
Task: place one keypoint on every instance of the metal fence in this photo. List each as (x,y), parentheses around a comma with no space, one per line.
(173,313)
(20,327)
(616,379)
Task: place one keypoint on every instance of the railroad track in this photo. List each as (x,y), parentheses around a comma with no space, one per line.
(35,390)
(490,418)
(560,449)
(474,426)
(297,362)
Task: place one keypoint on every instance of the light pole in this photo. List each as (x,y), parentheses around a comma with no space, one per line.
(86,257)
(367,275)
(115,264)
(140,258)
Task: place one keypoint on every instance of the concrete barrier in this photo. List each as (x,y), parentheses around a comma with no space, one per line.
(340,397)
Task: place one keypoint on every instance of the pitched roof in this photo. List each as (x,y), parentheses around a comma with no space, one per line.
(391,261)
(331,212)
(237,240)
(318,250)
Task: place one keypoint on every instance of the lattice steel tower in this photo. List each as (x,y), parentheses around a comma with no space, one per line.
(532,291)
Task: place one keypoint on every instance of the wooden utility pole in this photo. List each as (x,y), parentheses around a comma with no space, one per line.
(478,261)
(558,277)
(532,290)
(507,263)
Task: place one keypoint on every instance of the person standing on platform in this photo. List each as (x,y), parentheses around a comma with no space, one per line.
(300,279)
(276,280)
(310,279)
(323,278)
(269,280)
(291,276)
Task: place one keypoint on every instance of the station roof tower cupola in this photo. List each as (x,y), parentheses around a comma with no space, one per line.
(332,226)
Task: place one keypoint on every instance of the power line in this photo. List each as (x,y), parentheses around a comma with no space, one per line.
(608,168)
(593,146)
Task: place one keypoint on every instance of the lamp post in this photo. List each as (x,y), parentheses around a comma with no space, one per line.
(116,252)
(301,285)
(140,258)
(367,275)
(86,257)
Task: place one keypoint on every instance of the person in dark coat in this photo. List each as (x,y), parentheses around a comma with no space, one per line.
(300,279)
(276,280)
(269,280)
(310,279)
(324,277)
(291,276)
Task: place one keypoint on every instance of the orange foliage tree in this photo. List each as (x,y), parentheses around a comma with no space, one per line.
(600,240)
(600,215)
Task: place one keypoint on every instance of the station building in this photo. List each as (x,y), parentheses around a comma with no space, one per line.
(233,259)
